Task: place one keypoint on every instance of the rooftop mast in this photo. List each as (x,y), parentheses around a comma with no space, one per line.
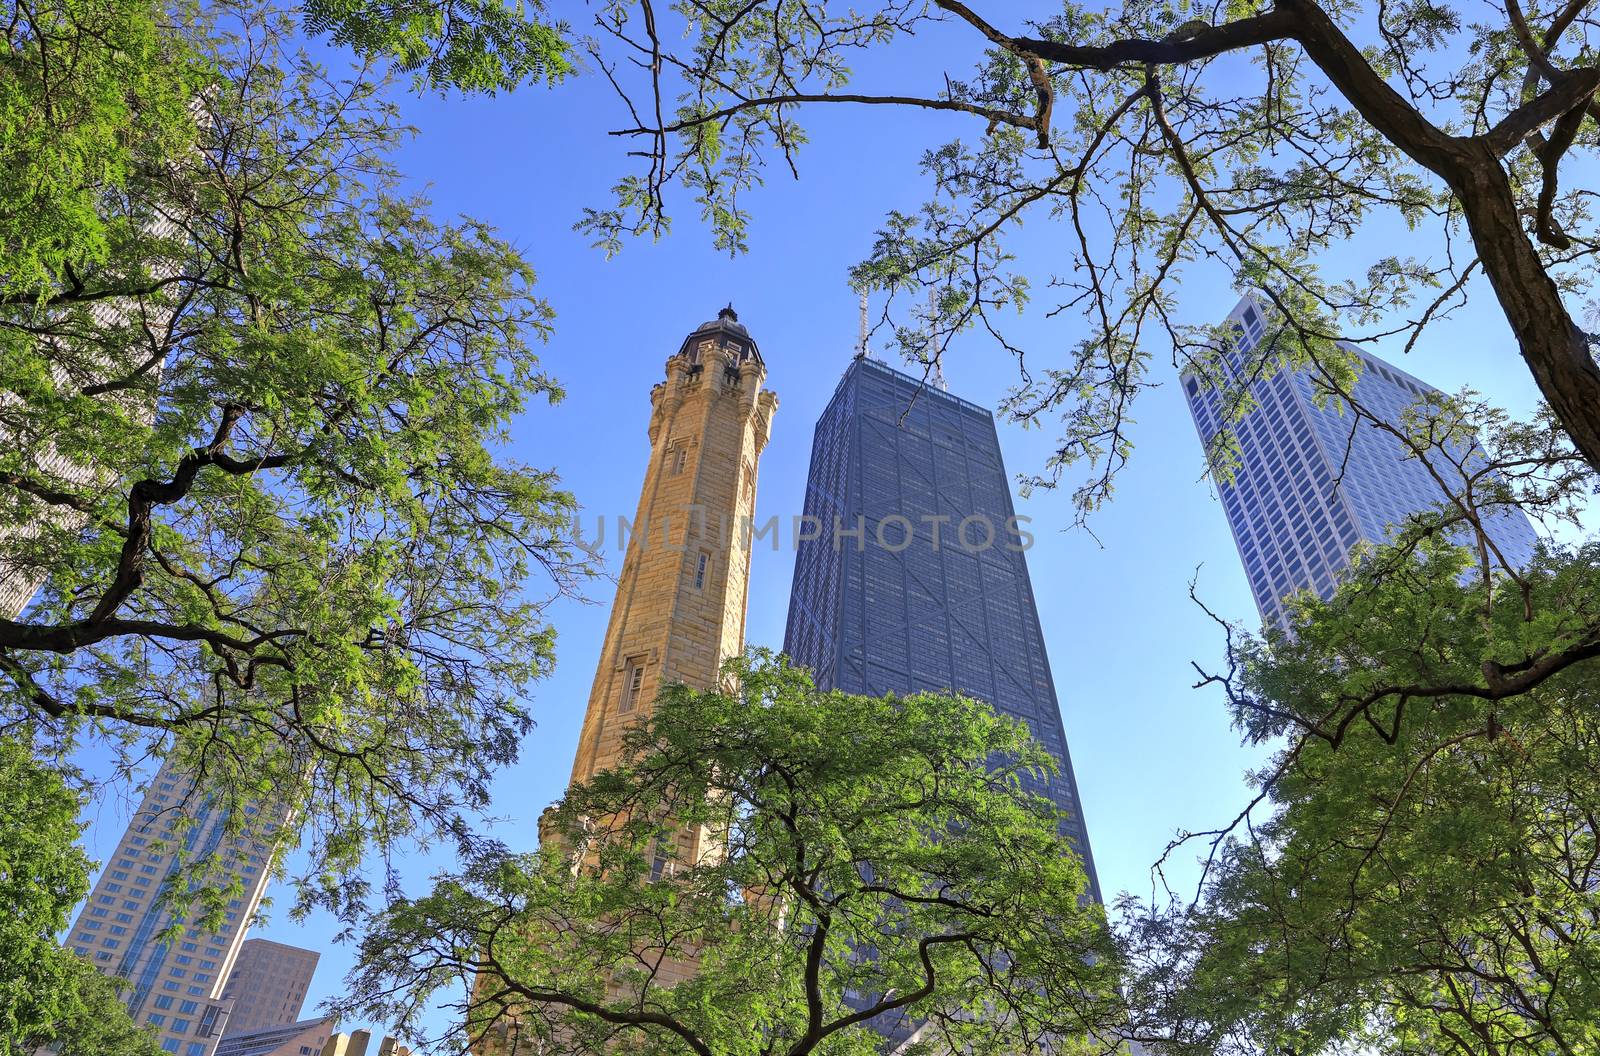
(861,337)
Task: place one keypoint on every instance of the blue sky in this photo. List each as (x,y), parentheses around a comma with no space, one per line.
(1152,755)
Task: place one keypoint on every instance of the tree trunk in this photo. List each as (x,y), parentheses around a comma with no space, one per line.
(1555,349)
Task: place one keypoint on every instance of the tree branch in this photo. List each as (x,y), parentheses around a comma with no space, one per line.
(1383,108)
(1572,92)
(45,493)
(988,113)
(890,1004)
(1277,24)
(69,637)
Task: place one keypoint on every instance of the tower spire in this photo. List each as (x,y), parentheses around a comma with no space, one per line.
(933,317)
(861,335)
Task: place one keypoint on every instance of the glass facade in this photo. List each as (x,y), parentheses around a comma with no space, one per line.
(1313,481)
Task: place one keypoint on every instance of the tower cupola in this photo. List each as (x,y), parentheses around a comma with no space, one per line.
(725,335)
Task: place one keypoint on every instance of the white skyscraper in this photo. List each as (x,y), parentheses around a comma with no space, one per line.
(1312,481)
(174,985)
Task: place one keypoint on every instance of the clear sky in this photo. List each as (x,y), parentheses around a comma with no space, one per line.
(1152,755)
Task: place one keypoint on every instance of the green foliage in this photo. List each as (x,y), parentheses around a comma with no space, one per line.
(100,1024)
(252,461)
(1429,878)
(42,876)
(800,846)
(470,45)
(46,994)
(88,88)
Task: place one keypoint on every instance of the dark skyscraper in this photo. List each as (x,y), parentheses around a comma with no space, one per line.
(1313,482)
(917,578)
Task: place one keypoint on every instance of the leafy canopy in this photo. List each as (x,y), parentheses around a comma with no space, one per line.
(818,859)
(252,472)
(89,90)
(469,45)
(1428,877)
(1159,142)
(1417,871)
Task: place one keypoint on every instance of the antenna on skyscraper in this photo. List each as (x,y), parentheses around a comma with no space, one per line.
(933,316)
(861,337)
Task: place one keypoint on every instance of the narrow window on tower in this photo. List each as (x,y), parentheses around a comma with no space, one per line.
(632,683)
(680,456)
(701,568)
(661,859)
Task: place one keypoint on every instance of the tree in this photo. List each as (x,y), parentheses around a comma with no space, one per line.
(46,994)
(1429,877)
(867,857)
(100,1024)
(42,876)
(1416,872)
(253,400)
(1424,878)
(1161,135)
